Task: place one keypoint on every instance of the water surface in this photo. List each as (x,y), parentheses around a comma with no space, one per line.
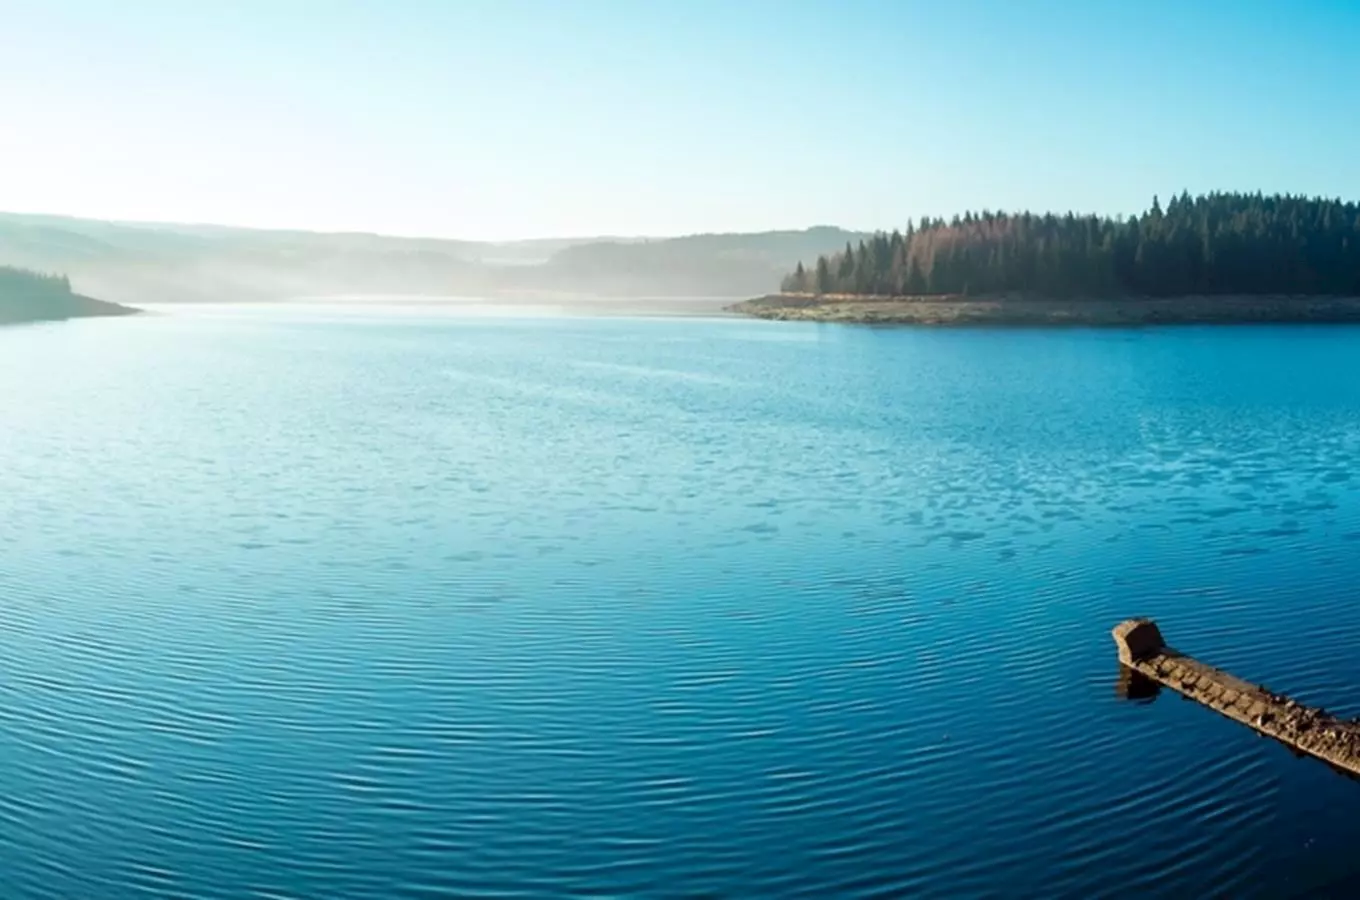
(323,602)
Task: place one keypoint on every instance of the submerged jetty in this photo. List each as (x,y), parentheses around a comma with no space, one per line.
(1309,730)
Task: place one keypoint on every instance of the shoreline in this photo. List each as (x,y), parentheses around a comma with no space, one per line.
(74,306)
(537,304)
(1017,310)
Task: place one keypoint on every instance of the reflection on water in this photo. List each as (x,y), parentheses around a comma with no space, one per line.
(1134,685)
(319,603)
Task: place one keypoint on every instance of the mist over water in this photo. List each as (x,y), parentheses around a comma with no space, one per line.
(167,263)
(331,600)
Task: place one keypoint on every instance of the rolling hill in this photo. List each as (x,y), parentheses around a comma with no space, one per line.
(140,262)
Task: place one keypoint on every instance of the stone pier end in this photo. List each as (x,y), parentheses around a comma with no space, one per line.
(1309,730)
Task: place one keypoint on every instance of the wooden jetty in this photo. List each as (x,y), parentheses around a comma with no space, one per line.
(1308,730)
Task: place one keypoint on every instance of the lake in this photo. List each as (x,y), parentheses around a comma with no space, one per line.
(312,601)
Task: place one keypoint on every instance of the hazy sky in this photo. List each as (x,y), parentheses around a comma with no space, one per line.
(513,118)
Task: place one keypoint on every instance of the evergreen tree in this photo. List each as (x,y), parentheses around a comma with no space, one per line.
(825,283)
(1210,244)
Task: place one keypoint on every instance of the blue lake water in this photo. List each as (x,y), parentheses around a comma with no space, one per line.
(310,602)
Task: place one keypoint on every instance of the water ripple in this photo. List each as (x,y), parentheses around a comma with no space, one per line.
(301,607)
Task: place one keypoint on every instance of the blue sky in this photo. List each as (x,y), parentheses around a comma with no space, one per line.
(522,118)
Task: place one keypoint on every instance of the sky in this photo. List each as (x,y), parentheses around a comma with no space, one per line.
(512,119)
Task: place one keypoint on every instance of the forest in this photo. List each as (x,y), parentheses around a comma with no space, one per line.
(18,285)
(33,297)
(14,280)
(1219,243)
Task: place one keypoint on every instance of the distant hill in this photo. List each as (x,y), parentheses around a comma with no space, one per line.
(32,297)
(736,264)
(139,262)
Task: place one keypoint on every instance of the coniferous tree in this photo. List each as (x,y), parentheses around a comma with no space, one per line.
(825,284)
(31,296)
(1210,244)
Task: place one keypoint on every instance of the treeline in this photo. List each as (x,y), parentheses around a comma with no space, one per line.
(1213,244)
(33,297)
(21,282)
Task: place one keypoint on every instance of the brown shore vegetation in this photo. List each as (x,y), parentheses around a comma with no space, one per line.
(1017,309)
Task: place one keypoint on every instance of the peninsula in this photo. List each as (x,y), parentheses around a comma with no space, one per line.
(1216,258)
(31,297)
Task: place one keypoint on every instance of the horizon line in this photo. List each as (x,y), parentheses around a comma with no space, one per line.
(411,236)
(635,238)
